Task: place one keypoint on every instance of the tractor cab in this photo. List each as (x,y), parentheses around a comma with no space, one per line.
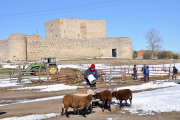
(51,60)
(52,64)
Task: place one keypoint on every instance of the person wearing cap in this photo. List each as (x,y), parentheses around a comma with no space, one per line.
(88,72)
(175,72)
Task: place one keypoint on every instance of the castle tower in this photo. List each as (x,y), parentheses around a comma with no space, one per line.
(17,48)
(75,28)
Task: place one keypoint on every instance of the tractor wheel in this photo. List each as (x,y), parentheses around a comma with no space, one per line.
(35,73)
(32,73)
(52,69)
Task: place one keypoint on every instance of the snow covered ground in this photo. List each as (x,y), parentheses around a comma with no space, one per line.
(166,99)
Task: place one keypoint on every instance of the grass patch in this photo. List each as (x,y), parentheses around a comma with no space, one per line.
(8,71)
(117,78)
(128,77)
(159,77)
(8,61)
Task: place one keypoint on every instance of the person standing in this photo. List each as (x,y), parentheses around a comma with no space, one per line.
(144,72)
(135,72)
(88,72)
(147,73)
(175,72)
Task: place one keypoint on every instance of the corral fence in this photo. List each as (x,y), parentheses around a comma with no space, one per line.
(73,76)
(155,73)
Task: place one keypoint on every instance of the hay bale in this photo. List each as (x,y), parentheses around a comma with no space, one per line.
(73,75)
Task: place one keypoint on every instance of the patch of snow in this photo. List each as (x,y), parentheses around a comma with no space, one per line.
(34,117)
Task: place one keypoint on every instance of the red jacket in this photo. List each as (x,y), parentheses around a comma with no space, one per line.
(134,70)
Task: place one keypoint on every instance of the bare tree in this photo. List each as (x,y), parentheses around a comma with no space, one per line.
(154,40)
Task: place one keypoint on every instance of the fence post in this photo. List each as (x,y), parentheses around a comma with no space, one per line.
(10,73)
(128,66)
(118,63)
(153,73)
(170,70)
(65,76)
(39,74)
(19,74)
(102,62)
(125,75)
(47,74)
(113,72)
(163,64)
(56,78)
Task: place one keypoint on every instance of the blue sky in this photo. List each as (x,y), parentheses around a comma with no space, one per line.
(124,18)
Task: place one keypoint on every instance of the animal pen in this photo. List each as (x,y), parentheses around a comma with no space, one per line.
(73,76)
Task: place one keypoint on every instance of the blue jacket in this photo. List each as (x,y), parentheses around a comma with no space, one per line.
(88,72)
(147,70)
(144,70)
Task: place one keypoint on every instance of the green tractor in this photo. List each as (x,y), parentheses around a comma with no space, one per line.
(50,61)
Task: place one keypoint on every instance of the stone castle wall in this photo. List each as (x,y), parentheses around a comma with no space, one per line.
(22,48)
(78,48)
(17,47)
(4,49)
(66,39)
(75,28)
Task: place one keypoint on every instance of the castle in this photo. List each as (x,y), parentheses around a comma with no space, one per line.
(66,39)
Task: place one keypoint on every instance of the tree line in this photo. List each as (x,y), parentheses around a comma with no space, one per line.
(157,55)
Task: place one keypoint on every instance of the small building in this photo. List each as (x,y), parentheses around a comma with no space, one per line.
(140,54)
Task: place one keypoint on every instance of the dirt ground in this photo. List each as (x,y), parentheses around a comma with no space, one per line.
(54,106)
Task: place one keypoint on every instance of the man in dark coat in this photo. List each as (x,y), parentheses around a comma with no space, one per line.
(144,72)
(175,72)
(88,72)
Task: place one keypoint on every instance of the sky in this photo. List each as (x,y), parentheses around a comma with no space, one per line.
(124,18)
(143,103)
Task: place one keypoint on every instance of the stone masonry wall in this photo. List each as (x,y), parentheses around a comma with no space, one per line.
(17,48)
(21,48)
(78,48)
(4,47)
(75,28)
